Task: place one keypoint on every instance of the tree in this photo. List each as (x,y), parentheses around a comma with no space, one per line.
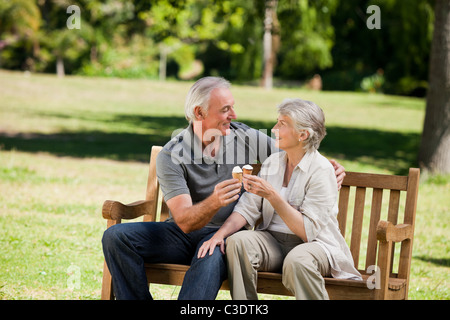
(20,21)
(269,46)
(434,153)
(307,37)
(181,27)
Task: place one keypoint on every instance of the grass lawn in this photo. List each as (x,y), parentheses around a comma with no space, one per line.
(66,145)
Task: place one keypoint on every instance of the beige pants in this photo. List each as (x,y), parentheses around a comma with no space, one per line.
(302,264)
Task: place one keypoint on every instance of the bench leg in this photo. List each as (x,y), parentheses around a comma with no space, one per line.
(107,289)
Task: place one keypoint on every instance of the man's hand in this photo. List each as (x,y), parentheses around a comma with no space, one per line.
(339,171)
(191,217)
(226,192)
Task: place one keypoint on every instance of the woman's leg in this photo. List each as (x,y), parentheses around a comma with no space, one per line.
(303,271)
(247,252)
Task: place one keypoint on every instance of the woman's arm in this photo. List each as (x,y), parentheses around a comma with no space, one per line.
(234,223)
(293,218)
(290,216)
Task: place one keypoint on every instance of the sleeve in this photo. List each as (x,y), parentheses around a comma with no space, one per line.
(171,176)
(320,201)
(249,206)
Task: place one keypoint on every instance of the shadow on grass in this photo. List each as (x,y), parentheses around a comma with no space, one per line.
(393,151)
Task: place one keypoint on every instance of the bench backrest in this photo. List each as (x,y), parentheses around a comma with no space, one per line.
(366,210)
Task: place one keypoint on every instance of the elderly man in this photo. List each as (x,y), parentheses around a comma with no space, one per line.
(194,171)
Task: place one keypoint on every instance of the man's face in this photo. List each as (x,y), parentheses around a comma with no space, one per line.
(220,112)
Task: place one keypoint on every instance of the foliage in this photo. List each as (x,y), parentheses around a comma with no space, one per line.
(205,37)
(307,36)
(400,48)
(373,83)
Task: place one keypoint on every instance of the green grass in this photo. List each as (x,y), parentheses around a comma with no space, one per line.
(66,145)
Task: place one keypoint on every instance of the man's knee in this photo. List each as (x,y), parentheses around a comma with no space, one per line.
(112,236)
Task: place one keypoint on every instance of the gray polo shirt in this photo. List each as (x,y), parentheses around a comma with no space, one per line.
(183,168)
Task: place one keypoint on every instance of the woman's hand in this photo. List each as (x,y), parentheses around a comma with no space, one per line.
(210,245)
(234,223)
(258,186)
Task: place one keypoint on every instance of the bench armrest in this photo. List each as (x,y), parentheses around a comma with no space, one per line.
(115,210)
(386,231)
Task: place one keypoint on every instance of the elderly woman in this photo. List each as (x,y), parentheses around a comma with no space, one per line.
(296,195)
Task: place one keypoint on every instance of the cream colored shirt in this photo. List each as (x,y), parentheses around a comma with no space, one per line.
(312,191)
(277,223)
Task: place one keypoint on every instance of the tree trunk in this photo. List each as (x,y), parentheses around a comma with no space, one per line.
(434,153)
(269,52)
(60,66)
(162,62)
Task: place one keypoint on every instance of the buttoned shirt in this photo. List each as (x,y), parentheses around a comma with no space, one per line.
(312,190)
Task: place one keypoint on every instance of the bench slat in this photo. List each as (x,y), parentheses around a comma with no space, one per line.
(358,215)
(380,181)
(377,198)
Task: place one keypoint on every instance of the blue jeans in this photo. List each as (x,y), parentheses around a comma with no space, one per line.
(128,246)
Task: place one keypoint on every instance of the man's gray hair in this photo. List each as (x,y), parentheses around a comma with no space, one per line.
(199,94)
(306,115)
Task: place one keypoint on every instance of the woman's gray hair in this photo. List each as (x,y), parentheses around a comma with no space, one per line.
(199,94)
(306,115)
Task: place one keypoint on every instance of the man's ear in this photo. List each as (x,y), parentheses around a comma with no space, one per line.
(199,113)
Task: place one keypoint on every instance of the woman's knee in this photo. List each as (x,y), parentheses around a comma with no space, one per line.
(236,242)
(298,261)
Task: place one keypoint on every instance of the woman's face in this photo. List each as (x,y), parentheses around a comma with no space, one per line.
(286,136)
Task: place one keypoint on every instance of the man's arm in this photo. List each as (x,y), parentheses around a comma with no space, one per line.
(190,217)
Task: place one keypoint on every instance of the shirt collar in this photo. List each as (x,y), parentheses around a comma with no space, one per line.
(305,163)
(197,149)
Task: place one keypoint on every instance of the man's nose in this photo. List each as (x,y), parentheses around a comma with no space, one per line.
(232,114)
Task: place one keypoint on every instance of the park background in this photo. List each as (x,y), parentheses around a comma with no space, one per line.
(81,107)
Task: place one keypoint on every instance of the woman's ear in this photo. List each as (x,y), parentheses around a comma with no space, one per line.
(304,135)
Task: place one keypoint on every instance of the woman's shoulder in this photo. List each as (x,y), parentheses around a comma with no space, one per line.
(320,163)
(275,157)
(273,163)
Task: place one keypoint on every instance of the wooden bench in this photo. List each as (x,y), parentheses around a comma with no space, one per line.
(369,234)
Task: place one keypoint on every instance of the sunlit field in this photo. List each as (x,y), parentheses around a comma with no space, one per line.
(66,145)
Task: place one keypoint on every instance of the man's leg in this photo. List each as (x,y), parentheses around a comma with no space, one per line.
(128,246)
(205,276)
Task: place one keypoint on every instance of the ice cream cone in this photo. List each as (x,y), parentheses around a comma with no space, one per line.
(237,173)
(247,169)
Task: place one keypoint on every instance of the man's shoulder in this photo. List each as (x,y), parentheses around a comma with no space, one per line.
(242,130)
(177,138)
(172,147)
(240,126)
